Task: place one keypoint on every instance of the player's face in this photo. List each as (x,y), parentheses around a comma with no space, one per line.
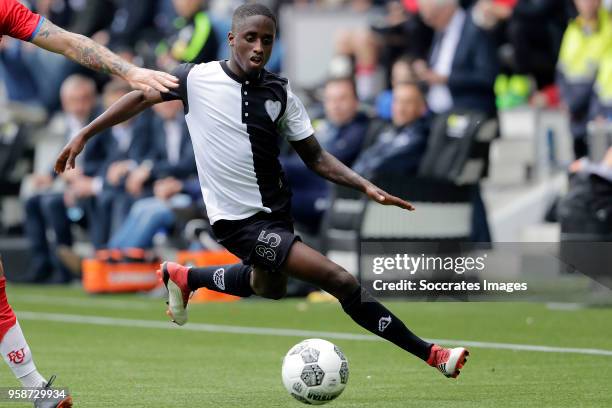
(252,43)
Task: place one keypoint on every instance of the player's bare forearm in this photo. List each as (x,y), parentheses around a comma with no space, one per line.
(81,49)
(332,169)
(329,167)
(125,108)
(92,55)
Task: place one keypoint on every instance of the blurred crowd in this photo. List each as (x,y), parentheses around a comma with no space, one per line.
(391,88)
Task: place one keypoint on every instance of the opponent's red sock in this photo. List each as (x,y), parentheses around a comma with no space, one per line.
(7,317)
(13,346)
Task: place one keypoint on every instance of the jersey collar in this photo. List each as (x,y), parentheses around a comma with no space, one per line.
(235,77)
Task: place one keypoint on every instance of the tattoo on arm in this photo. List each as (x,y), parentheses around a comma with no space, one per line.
(81,49)
(48,29)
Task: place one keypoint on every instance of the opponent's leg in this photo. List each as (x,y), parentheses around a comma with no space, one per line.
(309,265)
(15,349)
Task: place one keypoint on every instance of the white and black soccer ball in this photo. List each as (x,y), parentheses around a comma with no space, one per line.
(315,371)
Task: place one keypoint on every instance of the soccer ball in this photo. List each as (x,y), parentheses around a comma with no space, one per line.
(315,371)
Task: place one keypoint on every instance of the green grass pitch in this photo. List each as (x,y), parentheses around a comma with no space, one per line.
(108,365)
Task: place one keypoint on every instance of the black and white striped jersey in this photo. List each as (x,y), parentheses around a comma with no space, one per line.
(235,125)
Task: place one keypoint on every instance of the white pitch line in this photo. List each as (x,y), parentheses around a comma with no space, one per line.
(268,331)
(89,302)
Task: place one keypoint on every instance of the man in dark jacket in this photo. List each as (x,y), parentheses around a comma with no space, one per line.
(463,64)
(399,148)
(57,208)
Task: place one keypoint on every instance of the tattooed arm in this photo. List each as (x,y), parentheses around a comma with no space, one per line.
(92,55)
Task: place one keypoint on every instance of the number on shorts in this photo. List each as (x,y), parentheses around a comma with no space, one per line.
(272,240)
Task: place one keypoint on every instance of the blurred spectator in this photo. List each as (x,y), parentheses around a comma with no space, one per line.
(359,50)
(463,64)
(401,71)
(403,33)
(602,169)
(585,212)
(535,30)
(601,105)
(130,150)
(194,39)
(16,74)
(172,153)
(89,17)
(400,148)
(171,159)
(60,12)
(149,216)
(584,43)
(132,21)
(372,51)
(60,203)
(342,133)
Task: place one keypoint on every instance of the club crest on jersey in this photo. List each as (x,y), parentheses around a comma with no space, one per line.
(383,323)
(273,108)
(16,356)
(219,278)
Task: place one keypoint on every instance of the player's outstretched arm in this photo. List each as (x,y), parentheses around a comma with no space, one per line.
(125,108)
(99,58)
(329,167)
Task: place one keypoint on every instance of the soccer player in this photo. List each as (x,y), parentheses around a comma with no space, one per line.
(19,22)
(236,111)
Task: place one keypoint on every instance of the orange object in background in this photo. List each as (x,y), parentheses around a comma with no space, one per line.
(104,277)
(208,258)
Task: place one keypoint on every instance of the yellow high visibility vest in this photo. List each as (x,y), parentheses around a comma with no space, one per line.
(603,83)
(581,52)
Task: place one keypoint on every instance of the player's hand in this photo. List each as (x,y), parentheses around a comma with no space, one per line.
(384,198)
(147,80)
(67,158)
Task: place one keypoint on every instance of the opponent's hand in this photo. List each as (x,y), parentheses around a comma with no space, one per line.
(67,158)
(384,198)
(147,80)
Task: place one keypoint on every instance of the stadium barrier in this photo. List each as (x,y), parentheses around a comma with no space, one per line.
(107,277)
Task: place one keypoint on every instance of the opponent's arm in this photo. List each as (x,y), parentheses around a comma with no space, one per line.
(92,55)
(327,166)
(125,108)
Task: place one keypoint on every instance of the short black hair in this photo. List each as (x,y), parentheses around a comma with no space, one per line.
(248,10)
(419,85)
(344,79)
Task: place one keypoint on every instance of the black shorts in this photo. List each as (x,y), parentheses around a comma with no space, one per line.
(262,239)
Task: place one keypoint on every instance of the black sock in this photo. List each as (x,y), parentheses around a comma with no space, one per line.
(374,317)
(231,279)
